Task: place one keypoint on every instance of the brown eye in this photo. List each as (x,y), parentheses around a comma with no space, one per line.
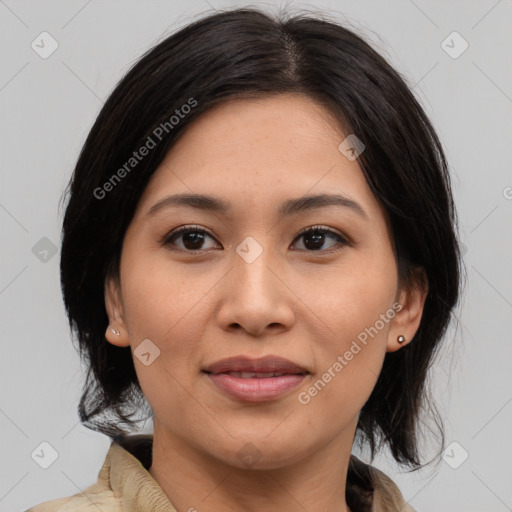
(192,238)
(316,236)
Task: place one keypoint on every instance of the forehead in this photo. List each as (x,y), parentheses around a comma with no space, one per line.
(259,152)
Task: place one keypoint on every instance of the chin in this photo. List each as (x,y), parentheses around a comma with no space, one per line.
(261,454)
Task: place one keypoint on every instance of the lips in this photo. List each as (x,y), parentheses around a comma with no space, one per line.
(260,367)
(255,375)
(255,380)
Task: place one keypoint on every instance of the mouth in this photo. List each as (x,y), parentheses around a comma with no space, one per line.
(256,380)
(255,375)
(262,365)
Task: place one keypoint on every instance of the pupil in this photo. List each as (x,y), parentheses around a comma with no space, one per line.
(317,237)
(195,238)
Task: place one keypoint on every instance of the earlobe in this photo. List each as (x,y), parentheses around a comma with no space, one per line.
(396,343)
(407,320)
(116,332)
(117,337)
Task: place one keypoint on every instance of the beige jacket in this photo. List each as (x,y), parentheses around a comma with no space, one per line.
(125,485)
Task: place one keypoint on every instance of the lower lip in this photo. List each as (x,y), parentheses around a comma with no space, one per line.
(253,389)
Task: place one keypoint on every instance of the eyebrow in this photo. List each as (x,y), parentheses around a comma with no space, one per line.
(287,208)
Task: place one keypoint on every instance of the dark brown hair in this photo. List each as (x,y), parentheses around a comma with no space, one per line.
(245,53)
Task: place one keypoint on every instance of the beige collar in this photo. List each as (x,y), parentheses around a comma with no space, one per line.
(132,483)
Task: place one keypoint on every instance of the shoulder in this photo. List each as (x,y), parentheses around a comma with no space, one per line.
(123,482)
(99,495)
(387,497)
(81,502)
(370,490)
(49,506)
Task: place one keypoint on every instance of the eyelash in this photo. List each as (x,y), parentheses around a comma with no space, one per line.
(168,238)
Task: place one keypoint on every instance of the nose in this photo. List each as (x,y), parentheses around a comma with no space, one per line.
(255,297)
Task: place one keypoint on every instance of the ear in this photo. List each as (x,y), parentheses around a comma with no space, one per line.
(115,312)
(406,322)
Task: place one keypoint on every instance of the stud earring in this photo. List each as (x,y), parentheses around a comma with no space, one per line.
(400,339)
(117,333)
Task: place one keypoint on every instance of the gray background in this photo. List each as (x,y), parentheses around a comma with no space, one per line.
(48,106)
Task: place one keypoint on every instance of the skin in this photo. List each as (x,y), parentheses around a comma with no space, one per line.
(302,304)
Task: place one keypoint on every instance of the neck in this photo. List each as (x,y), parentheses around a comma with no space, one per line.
(195,481)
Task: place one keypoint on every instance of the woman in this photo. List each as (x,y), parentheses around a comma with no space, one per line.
(260,251)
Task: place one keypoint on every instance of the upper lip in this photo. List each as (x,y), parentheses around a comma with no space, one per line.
(267,364)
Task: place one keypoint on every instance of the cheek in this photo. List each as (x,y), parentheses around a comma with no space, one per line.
(352,297)
(356,306)
(164,305)
(347,366)
(161,297)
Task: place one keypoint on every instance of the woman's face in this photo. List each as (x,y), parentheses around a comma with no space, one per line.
(254,286)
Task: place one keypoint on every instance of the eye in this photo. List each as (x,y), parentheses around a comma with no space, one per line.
(315,237)
(193,237)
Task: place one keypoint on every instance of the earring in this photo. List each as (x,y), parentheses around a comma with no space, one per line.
(117,333)
(400,339)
